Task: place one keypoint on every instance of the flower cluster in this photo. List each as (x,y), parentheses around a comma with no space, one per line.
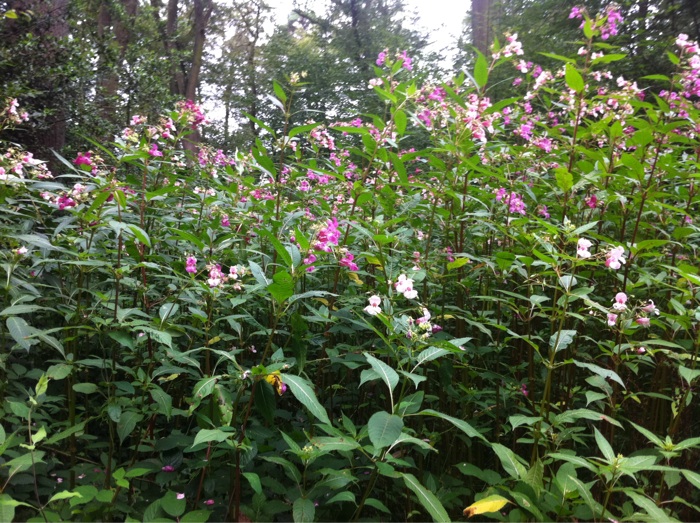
(10,114)
(513,200)
(582,248)
(404,285)
(327,236)
(640,314)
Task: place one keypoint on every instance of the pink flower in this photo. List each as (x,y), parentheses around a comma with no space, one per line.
(576,13)
(591,201)
(224,221)
(406,61)
(644,322)
(641,350)
(191,265)
(168,468)
(64,201)
(153,151)
(180,495)
(612,319)
(582,248)
(83,159)
(381,58)
(346,261)
(620,301)
(404,286)
(651,308)
(615,258)
(21,251)
(209,502)
(373,308)
(425,318)
(523,390)
(216,277)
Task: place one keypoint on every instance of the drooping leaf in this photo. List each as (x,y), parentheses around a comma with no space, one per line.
(492,503)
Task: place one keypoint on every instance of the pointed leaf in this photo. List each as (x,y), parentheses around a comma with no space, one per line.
(488,504)
(304,393)
(429,501)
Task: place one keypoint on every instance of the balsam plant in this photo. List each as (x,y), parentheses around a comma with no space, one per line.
(462,302)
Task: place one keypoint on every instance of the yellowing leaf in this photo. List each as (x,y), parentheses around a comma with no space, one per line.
(355,278)
(487,504)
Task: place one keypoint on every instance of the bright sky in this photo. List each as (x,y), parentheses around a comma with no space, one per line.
(442,19)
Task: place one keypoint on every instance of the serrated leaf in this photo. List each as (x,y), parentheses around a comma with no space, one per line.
(303,392)
(429,501)
(303,510)
(488,504)
(383,429)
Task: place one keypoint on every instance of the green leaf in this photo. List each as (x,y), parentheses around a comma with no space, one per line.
(168,311)
(565,180)
(656,513)
(460,424)
(600,371)
(604,446)
(163,400)
(304,393)
(85,388)
(173,506)
(400,121)
(689,375)
(388,375)
(207,435)
(195,516)
(140,234)
(65,494)
(20,331)
(254,481)
(562,339)
(429,501)
(383,429)
(265,400)
(573,78)
(282,286)
(481,71)
(303,510)
(258,274)
(342,496)
(510,461)
(127,424)
(279,92)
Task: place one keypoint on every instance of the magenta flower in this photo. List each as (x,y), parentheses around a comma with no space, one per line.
(168,468)
(83,159)
(216,277)
(225,221)
(191,264)
(153,151)
(65,201)
(346,261)
(209,502)
(381,58)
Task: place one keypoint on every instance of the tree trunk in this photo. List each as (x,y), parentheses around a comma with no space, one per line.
(481,25)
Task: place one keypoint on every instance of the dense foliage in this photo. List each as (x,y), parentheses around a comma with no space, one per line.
(335,326)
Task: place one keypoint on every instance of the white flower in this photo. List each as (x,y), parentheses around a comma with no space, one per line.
(373,308)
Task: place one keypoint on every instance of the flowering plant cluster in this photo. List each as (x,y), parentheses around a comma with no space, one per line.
(332,321)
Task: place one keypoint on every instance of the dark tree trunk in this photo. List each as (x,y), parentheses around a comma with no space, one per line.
(482,31)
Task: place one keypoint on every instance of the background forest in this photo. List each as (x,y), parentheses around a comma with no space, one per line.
(323,269)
